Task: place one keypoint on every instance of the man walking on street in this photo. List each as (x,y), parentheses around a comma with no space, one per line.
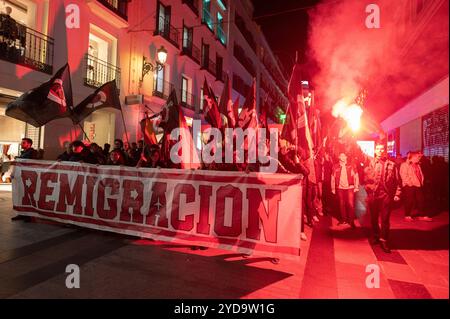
(345,183)
(412,182)
(383,187)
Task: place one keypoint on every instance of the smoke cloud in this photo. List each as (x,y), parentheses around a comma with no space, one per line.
(351,56)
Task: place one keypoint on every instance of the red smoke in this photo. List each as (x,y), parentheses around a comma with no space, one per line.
(388,62)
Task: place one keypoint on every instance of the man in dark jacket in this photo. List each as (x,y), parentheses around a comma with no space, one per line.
(382,184)
(28,152)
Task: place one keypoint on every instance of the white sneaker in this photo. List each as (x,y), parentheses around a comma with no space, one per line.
(316,219)
(408,219)
(303,237)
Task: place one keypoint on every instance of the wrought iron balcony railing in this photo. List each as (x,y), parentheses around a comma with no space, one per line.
(119,7)
(191,50)
(167,31)
(24,46)
(162,88)
(188,100)
(246,62)
(99,72)
(208,65)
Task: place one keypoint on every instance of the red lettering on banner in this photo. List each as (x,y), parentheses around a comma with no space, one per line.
(236,221)
(114,185)
(69,196)
(158,206)
(90,184)
(47,190)
(133,197)
(257,212)
(188,223)
(203,226)
(29,181)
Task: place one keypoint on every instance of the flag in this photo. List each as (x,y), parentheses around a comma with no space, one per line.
(149,129)
(236,109)
(51,100)
(210,107)
(248,117)
(226,105)
(263,118)
(105,96)
(296,129)
(172,117)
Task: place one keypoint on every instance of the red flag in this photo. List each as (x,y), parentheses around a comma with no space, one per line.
(296,129)
(210,107)
(226,105)
(148,127)
(236,108)
(247,117)
(263,118)
(172,117)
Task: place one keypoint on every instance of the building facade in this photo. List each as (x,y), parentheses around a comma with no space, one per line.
(422,122)
(209,39)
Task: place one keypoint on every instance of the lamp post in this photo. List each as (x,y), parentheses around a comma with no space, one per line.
(161,58)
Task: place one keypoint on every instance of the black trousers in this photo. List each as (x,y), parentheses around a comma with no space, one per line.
(346,205)
(413,198)
(379,207)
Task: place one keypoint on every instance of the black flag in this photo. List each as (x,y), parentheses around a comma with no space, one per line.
(105,96)
(52,100)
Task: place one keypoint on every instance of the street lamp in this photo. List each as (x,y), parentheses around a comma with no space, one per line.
(161,58)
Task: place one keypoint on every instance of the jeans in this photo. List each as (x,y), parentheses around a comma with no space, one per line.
(413,197)
(379,207)
(346,205)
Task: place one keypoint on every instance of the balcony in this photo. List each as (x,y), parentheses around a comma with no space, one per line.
(240,86)
(208,65)
(167,31)
(192,4)
(190,50)
(240,24)
(188,100)
(246,62)
(207,19)
(119,7)
(99,72)
(24,46)
(162,88)
(220,75)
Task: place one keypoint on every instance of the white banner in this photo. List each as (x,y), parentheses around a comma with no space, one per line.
(252,212)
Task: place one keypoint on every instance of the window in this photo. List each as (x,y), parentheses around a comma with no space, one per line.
(163,22)
(219,67)
(101,58)
(187,38)
(220,32)
(205,55)
(184,90)
(206,17)
(159,81)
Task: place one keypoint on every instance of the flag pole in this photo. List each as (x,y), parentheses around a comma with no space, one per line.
(124,126)
(85,135)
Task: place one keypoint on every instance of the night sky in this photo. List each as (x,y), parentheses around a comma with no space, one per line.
(286,32)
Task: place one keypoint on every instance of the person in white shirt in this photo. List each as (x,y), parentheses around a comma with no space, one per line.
(412,181)
(345,183)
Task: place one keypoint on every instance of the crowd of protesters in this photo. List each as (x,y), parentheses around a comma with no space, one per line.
(340,173)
